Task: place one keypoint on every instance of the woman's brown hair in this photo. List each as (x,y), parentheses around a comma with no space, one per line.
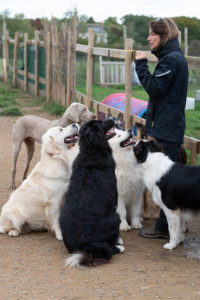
(166,28)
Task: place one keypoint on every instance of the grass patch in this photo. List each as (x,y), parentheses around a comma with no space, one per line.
(1,67)
(100,92)
(193,121)
(54,108)
(8,95)
(11,111)
(39,101)
(4,104)
(7,100)
(5,97)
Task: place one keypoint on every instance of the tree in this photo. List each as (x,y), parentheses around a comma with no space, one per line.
(115,33)
(37,24)
(17,24)
(91,21)
(192,24)
(137,27)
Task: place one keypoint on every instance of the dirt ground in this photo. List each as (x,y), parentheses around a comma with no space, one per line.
(32,265)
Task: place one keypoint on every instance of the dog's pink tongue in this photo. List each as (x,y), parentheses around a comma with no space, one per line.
(68,139)
(129,142)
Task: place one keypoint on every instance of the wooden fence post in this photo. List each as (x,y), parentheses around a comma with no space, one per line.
(185,41)
(48,67)
(193,154)
(5,52)
(36,63)
(96,110)
(25,62)
(73,60)
(6,59)
(101,69)
(128,88)
(89,69)
(69,55)
(124,35)
(179,37)
(15,57)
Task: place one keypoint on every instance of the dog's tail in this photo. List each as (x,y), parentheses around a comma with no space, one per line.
(83,260)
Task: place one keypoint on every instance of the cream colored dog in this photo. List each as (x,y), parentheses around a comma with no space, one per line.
(129,180)
(30,128)
(35,205)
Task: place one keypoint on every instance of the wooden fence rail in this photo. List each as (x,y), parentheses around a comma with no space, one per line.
(60,73)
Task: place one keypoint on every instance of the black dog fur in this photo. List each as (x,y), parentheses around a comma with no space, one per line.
(88,220)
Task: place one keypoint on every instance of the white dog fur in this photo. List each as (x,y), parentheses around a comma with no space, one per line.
(129,182)
(30,128)
(35,205)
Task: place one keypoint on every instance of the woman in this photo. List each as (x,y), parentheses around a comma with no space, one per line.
(167,90)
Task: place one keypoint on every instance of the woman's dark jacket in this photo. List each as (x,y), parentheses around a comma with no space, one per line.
(167,90)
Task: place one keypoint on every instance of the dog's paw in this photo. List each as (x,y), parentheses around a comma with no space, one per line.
(11,187)
(146,216)
(59,236)
(124,227)
(120,241)
(1,229)
(169,246)
(181,238)
(121,248)
(136,225)
(13,232)
(155,216)
(156,213)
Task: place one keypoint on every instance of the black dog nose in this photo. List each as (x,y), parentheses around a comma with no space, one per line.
(75,126)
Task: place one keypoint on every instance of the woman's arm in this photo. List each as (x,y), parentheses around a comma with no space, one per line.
(158,83)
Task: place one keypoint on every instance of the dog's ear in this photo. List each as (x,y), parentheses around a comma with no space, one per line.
(109,116)
(141,151)
(141,128)
(51,147)
(155,146)
(73,112)
(108,124)
(120,117)
(101,116)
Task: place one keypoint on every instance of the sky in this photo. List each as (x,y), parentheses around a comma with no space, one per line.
(102,9)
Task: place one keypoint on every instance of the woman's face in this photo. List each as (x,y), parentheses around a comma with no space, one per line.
(153,39)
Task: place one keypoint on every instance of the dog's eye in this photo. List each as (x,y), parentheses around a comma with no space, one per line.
(61,129)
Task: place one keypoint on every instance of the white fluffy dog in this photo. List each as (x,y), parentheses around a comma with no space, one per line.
(129,180)
(35,205)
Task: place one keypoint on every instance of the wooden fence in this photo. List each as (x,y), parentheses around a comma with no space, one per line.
(60,49)
(111,72)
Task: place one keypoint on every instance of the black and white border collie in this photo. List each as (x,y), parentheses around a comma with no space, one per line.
(175,187)
(89,221)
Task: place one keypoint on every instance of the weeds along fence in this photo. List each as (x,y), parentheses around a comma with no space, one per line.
(47,66)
